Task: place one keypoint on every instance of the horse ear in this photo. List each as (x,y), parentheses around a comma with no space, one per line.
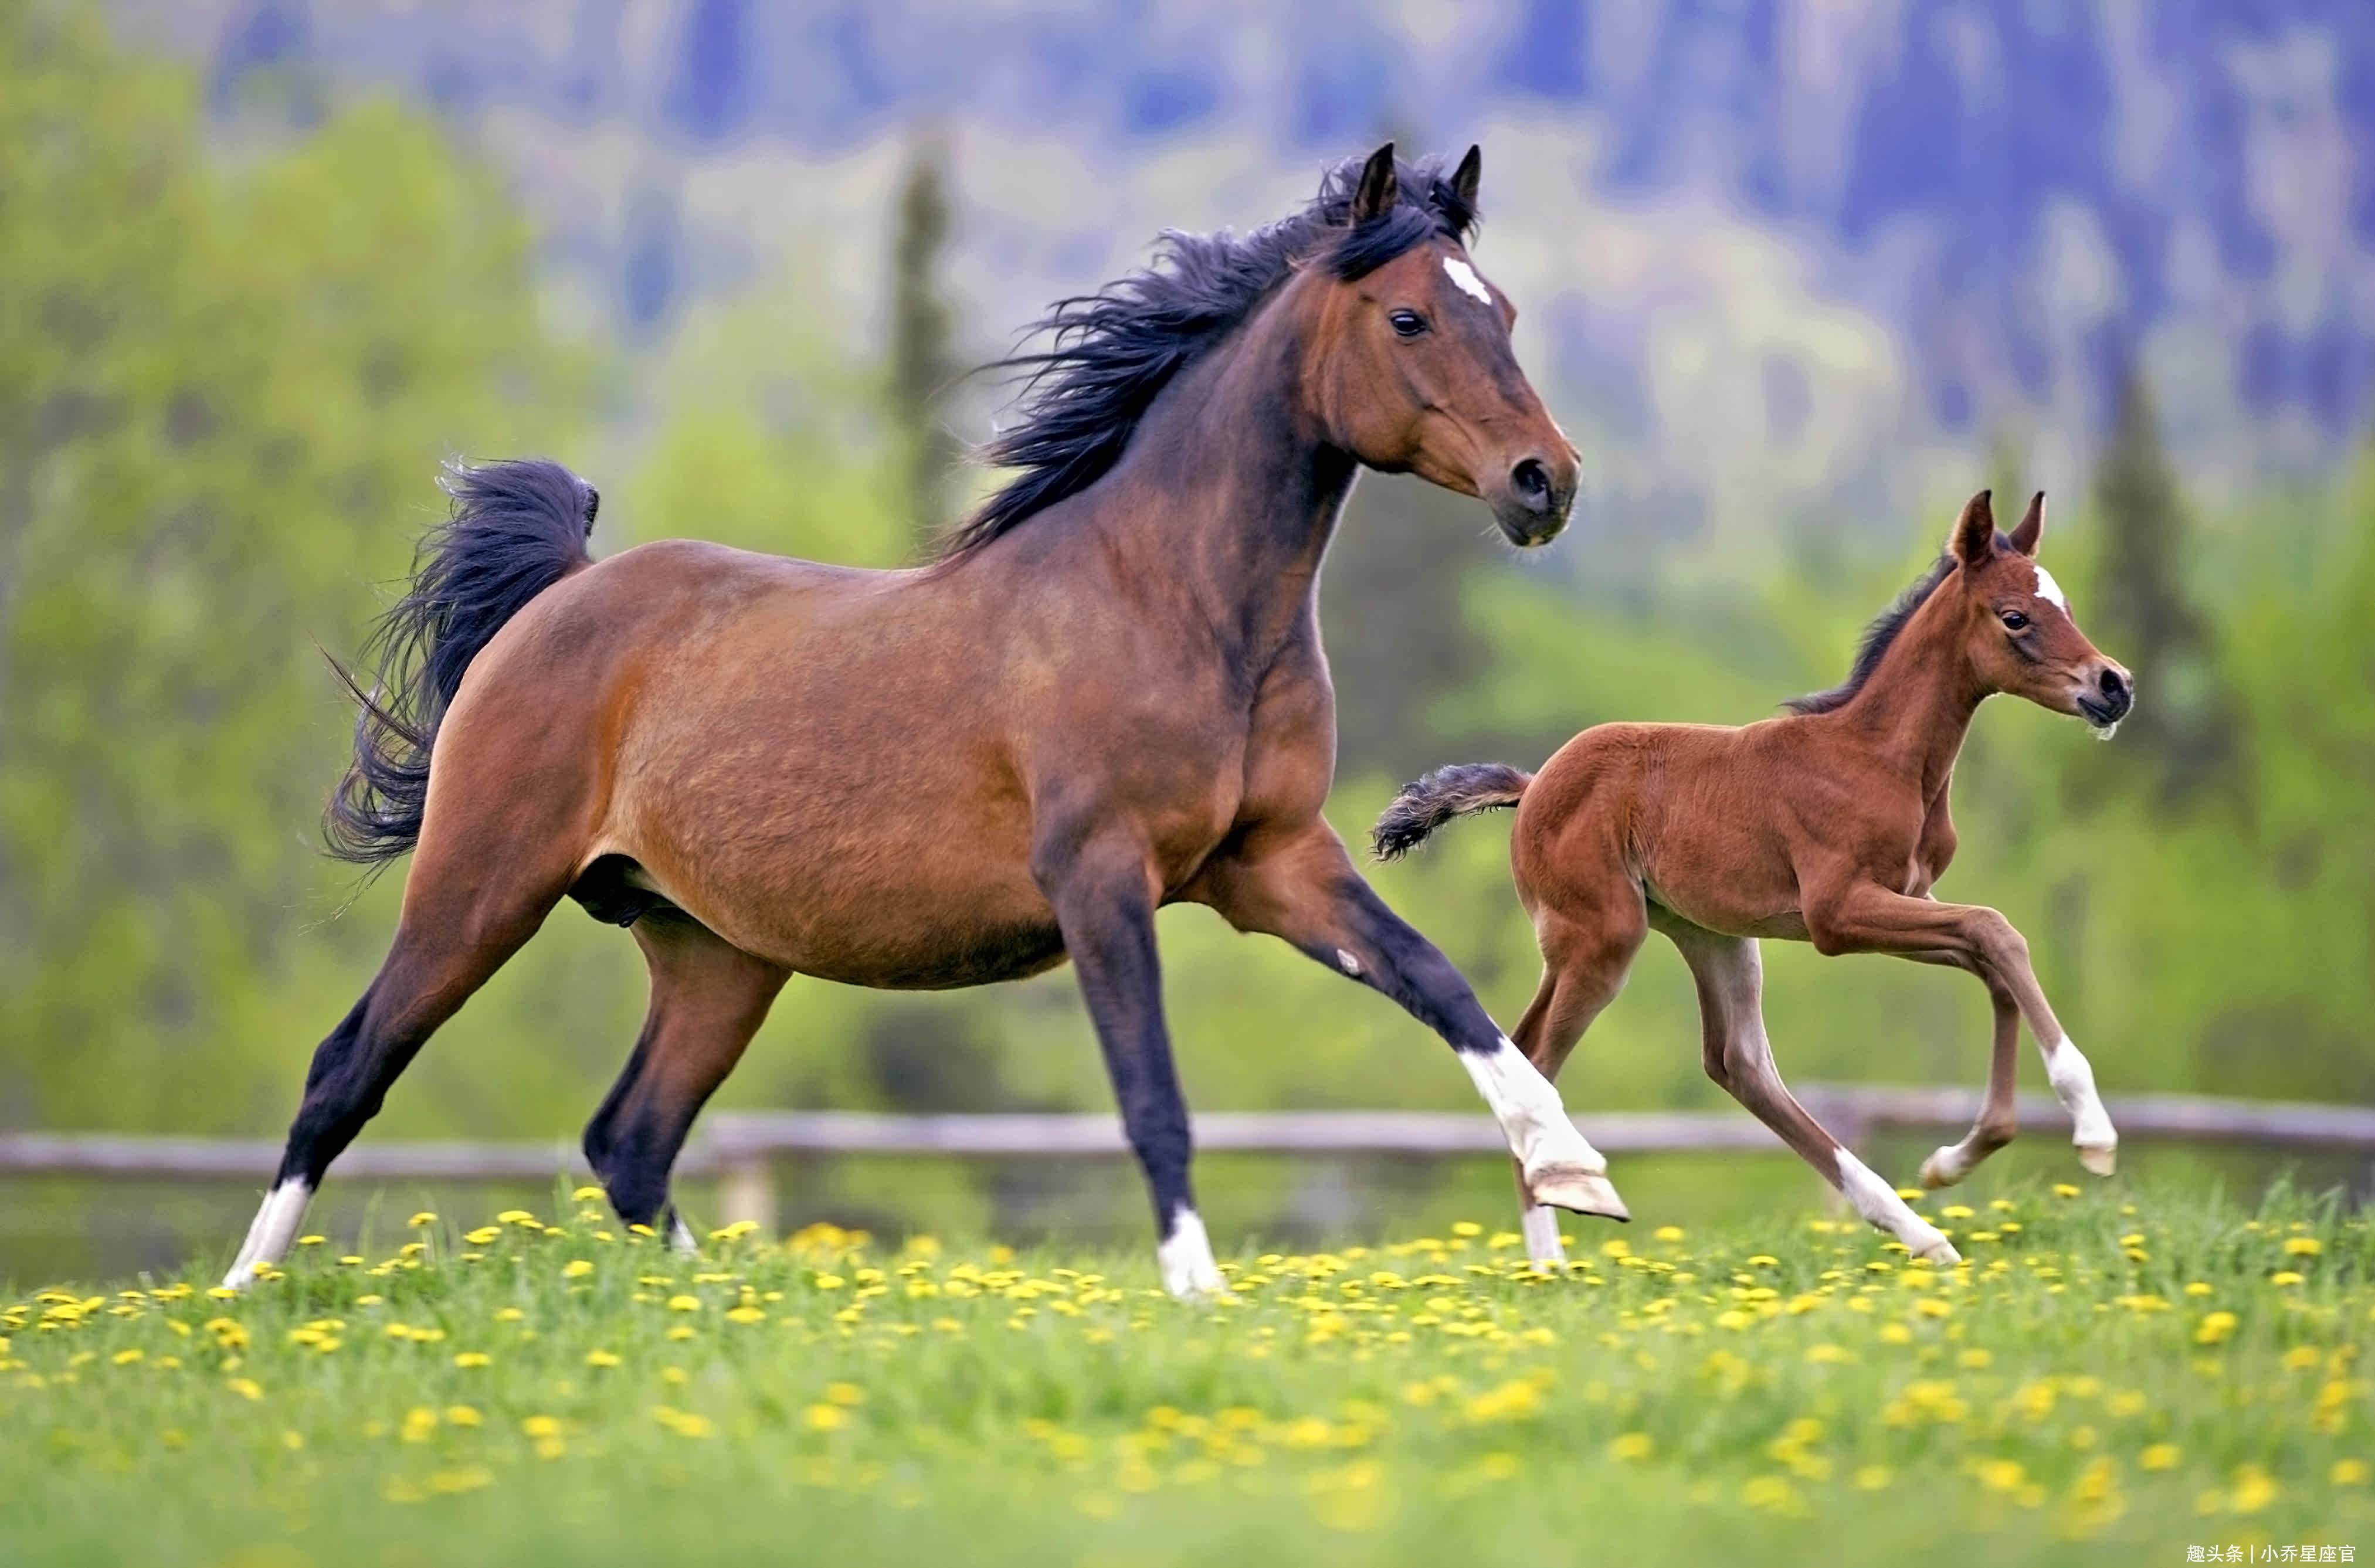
(2032,523)
(1974,539)
(1380,187)
(1465,178)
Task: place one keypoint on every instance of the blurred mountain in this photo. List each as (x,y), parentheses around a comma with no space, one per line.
(1838,244)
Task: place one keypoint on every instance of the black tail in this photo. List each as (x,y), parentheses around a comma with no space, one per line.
(1443,793)
(516,529)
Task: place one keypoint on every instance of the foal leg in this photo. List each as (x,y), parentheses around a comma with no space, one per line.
(1103,891)
(463,917)
(1585,953)
(1301,885)
(708,999)
(1730,979)
(1864,917)
(1998,1119)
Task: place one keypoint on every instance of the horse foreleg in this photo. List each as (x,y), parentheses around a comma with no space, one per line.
(708,999)
(1303,889)
(1102,892)
(1864,917)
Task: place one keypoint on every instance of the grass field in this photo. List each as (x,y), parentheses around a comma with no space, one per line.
(2111,1378)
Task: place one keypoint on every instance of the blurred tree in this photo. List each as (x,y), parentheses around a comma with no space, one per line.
(2183,722)
(922,328)
(221,401)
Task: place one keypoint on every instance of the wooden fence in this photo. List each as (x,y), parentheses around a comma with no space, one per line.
(740,1148)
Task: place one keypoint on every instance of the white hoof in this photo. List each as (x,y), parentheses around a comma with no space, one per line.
(1566,1186)
(1186,1258)
(1940,1252)
(1943,1168)
(2100,1158)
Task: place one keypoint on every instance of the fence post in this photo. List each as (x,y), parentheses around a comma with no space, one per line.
(747,1191)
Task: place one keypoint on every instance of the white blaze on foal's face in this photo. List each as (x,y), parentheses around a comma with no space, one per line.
(1464,277)
(2050,591)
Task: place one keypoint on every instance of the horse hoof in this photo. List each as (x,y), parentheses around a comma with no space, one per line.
(2100,1158)
(1943,1169)
(1940,1252)
(1585,1192)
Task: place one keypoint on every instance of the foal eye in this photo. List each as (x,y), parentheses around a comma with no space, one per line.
(1407,324)
(2013,621)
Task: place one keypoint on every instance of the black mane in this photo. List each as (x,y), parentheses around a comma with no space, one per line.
(1876,640)
(1113,351)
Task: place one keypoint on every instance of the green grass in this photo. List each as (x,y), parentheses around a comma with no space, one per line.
(2109,1379)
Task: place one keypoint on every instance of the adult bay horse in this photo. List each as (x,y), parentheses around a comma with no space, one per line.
(1827,825)
(1106,694)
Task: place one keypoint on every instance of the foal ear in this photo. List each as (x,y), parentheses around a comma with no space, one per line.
(1380,187)
(2032,523)
(1465,178)
(1974,539)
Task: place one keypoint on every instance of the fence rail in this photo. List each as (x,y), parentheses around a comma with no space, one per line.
(741,1147)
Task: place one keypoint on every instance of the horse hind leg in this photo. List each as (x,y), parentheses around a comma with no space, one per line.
(456,931)
(708,999)
(1585,963)
(1998,1118)
(1730,980)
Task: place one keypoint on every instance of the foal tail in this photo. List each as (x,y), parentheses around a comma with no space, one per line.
(1442,795)
(516,528)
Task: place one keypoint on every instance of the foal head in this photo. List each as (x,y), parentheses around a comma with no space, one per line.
(2016,630)
(1409,362)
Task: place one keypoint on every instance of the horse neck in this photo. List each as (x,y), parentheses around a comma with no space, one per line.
(1229,490)
(1915,707)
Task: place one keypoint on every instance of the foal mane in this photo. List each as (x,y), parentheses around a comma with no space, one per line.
(1877,638)
(1112,352)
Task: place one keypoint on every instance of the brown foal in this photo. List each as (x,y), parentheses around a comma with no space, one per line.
(1108,695)
(1827,825)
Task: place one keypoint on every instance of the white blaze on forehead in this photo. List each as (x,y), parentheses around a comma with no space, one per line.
(1464,276)
(2050,591)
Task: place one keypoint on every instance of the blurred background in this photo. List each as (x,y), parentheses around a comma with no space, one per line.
(1797,275)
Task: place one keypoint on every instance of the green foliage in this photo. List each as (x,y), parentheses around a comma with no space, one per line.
(2105,1380)
(222,394)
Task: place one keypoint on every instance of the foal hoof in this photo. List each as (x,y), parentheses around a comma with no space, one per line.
(2100,1158)
(1940,1252)
(1585,1192)
(1943,1169)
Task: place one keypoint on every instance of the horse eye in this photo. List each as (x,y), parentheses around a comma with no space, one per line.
(1407,324)
(2013,621)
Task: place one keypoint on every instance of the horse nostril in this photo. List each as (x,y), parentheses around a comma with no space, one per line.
(1532,483)
(2113,686)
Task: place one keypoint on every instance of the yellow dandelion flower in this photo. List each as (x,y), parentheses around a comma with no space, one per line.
(746,1315)
(462,1415)
(1632,1445)
(600,1359)
(2349,1472)
(2303,1247)
(2254,1489)
(682,1331)
(470,1359)
(1872,1478)
(826,1418)
(2196,1288)
(1669,1232)
(2159,1456)
(589,1193)
(483,1235)
(2063,1189)
(517,1217)
(424,1218)
(312,1241)
(2284,1278)
(576,1268)
(125,1358)
(245,1388)
(684,1303)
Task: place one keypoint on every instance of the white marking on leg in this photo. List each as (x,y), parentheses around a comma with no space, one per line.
(1950,1164)
(1186,1258)
(1464,277)
(1559,1164)
(2073,1084)
(1541,1226)
(276,1226)
(2050,591)
(1881,1207)
(1351,964)
(680,1238)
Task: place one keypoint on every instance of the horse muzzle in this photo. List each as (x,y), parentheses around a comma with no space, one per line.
(1534,502)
